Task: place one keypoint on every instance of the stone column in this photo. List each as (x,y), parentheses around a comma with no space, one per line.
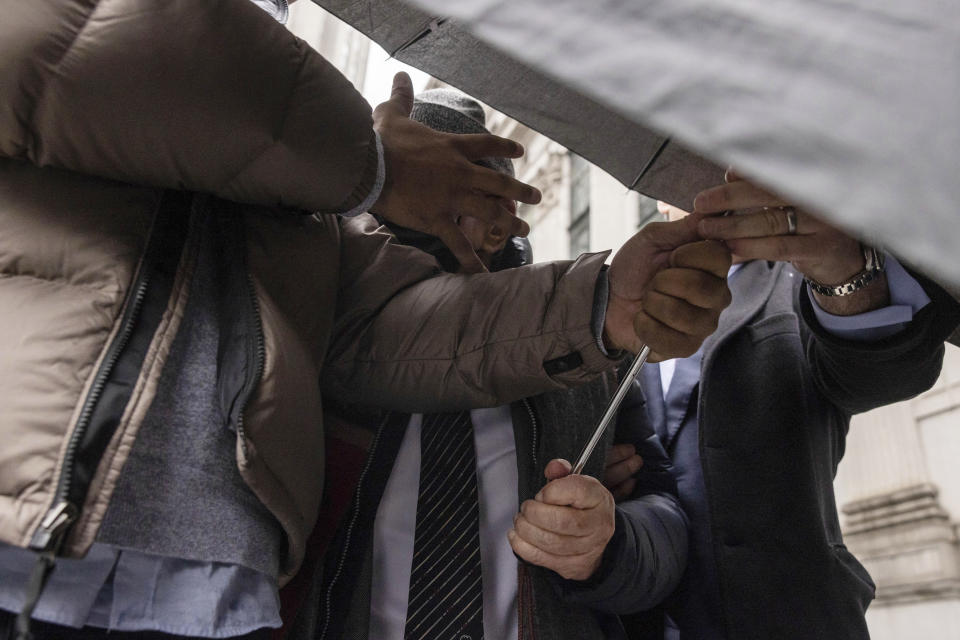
(899,491)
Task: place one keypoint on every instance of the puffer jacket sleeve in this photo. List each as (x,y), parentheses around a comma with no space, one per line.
(647,555)
(410,338)
(212,96)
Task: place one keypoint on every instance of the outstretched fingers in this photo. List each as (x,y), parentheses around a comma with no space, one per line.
(486,145)
(501,185)
(738,194)
(492,210)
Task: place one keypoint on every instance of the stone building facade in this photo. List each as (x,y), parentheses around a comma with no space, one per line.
(899,487)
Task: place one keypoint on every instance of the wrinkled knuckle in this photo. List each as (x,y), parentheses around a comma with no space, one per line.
(549,492)
(546,539)
(536,555)
(555,520)
(771,218)
(521,525)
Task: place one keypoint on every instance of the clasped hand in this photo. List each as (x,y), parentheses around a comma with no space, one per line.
(667,290)
(768,228)
(567,526)
(762,231)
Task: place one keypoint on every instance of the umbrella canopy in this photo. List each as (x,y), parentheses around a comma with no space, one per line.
(849,107)
(643,159)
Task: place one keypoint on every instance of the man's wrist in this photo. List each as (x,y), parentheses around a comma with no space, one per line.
(379,183)
(863,290)
(874,295)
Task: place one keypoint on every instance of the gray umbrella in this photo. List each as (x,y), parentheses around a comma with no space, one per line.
(849,107)
(646,161)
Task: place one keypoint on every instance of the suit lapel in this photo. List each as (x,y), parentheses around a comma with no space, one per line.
(751,288)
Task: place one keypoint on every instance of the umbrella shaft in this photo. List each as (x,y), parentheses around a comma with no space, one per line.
(612,408)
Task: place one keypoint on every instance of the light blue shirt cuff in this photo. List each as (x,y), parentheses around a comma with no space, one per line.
(907,297)
(374,194)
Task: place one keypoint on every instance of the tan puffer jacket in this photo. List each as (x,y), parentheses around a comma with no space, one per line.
(124,125)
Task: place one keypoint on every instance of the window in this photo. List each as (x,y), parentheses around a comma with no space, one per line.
(580,235)
(579,206)
(647,211)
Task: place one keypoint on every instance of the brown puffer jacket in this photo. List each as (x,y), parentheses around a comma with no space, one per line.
(126,126)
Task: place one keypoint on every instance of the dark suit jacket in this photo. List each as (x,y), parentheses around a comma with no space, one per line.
(776,396)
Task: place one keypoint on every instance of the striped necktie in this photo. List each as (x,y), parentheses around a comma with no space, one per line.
(446,592)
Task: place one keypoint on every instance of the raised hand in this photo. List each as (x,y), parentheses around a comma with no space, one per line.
(766,227)
(567,526)
(431,178)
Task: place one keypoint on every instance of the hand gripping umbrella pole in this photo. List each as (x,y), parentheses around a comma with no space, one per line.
(612,408)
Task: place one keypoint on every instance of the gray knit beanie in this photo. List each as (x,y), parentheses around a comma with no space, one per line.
(454,112)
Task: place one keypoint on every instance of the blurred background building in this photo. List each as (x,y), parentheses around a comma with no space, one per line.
(898,486)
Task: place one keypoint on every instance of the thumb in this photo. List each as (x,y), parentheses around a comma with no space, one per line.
(557,468)
(401,97)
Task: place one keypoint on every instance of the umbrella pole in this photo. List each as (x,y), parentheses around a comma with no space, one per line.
(612,408)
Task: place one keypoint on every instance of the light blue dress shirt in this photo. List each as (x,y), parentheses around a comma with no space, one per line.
(134,591)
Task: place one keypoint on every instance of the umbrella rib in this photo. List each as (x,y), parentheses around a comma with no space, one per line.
(650,162)
(435,23)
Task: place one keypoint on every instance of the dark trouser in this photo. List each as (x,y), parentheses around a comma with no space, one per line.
(47,631)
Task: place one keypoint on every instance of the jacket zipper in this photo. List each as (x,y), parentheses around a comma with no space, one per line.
(353,522)
(524,579)
(47,539)
(259,355)
(534,432)
(49,535)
